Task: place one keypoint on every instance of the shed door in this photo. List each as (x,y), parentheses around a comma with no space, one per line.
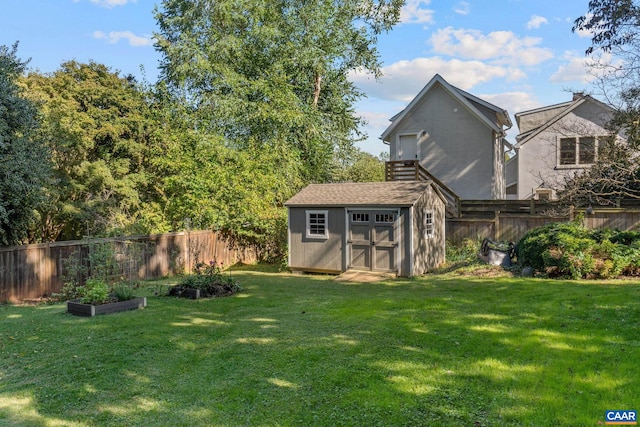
(373,240)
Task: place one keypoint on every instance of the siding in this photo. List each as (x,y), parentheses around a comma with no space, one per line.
(457,147)
(316,254)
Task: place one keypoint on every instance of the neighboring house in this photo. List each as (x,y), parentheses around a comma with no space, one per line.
(555,142)
(395,226)
(457,137)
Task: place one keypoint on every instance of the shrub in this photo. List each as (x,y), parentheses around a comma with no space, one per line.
(467,251)
(94,292)
(571,250)
(123,292)
(210,279)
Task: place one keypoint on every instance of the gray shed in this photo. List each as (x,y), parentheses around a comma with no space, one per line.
(395,226)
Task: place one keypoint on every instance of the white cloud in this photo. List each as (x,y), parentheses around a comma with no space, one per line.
(115,36)
(536,21)
(584,70)
(462,8)
(501,46)
(403,80)
(112,3)
(415,12)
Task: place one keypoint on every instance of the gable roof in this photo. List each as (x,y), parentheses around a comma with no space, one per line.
(564,109)
(352,194)
(471,102)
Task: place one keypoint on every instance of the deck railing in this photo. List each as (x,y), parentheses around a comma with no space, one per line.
(411,170)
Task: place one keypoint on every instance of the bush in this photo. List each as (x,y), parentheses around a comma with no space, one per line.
(466,251)
(210,279)
(571,250)
(94,292)
(123,292)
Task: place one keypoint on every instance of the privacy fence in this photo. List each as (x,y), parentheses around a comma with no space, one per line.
(509,220)
(33,271)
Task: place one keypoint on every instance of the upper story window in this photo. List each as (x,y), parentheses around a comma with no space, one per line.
(317,224)
(578,151)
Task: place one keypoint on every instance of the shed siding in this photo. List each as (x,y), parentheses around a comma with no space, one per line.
(316,254)
(429,253)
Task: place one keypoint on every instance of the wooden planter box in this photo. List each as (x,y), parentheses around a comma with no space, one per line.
(79,309)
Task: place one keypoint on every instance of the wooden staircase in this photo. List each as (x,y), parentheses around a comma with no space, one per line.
(411,170)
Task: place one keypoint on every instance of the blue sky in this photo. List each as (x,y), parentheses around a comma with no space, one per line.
(517,54)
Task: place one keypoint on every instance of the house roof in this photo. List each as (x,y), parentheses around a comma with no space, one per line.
(563,110)
(352,194)
(463,97)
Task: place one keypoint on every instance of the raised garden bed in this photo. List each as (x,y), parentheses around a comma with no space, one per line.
(212,291)
(89,310)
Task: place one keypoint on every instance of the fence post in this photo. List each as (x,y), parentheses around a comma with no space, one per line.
(496,222)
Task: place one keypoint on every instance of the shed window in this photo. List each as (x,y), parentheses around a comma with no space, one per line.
(385,218)
(428,224)
(359,217)
(317,224)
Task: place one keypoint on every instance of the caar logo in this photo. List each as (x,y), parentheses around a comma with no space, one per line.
(621,418)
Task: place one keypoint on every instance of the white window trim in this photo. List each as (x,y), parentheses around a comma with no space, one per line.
(576,139)
(324,236)
(432,234)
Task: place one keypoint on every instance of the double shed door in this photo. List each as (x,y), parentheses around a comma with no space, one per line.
(373,243)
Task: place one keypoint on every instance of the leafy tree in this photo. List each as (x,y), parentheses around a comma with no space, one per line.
(614,27)
(272,74)
(361,167)
(23,158)
(96,124)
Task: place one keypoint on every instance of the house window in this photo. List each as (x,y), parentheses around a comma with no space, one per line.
(317,224)
(359,217)
(428,224)
(579,150)
(385,218)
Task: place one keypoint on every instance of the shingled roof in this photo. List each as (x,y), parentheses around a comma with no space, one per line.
(391,193)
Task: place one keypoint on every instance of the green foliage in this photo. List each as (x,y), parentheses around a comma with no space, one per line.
(94,291)
(98,127)
(465,252)
(24,164)
(123,291)
(360,167)
(210,279)
(571,250)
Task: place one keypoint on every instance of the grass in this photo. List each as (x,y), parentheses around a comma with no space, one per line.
(444,349)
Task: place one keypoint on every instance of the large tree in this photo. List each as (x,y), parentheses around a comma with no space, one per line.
(272,74)
(98,129)
(23,158)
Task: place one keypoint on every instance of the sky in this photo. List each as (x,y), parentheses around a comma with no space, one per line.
(516,54)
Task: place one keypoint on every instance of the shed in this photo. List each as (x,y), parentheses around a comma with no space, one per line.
(395,226)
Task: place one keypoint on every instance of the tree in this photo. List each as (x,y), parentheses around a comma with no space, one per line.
(23,158)
(361,167)
(97,126)
(614,27)
(272,74)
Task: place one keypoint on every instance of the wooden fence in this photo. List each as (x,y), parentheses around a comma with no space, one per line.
(33,271)
(510,220)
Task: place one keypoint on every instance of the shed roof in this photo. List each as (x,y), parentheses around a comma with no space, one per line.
(391,193)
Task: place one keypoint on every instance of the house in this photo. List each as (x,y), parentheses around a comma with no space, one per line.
(457,137)
(555,142)
(396,227)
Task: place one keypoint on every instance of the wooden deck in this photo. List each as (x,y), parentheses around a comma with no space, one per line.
(411,170)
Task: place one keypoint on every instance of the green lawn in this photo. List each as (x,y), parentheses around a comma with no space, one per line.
(304,350)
